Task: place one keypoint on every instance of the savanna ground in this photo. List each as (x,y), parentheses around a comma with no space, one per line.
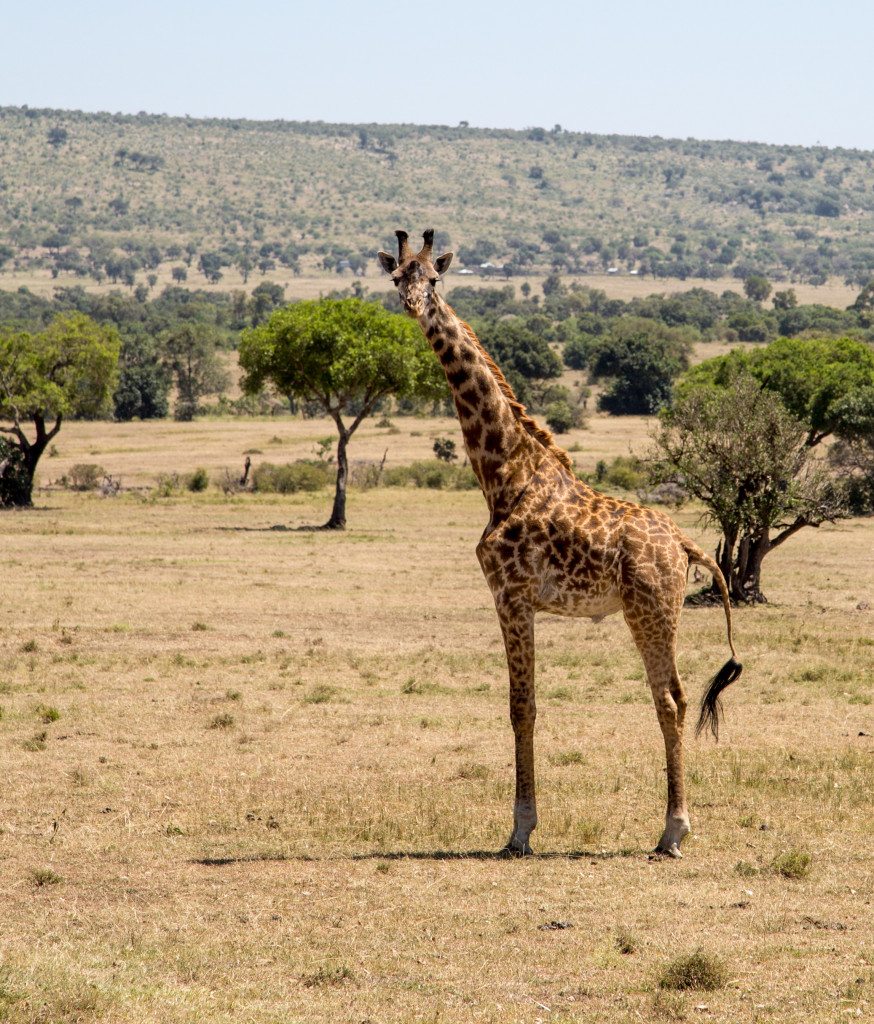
(260,775)
(312,284)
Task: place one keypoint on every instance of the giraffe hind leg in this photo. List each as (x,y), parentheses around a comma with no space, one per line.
(670,703)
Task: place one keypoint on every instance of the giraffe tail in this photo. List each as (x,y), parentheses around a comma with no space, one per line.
(711,706)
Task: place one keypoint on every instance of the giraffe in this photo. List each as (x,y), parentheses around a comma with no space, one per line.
(554,544)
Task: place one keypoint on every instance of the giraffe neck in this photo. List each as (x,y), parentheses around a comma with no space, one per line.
(502,452)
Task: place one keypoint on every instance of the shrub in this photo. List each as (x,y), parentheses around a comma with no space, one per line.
(433,474)
(44,876)
(624,472)
(322,693)
(46,713)
(85,476)
(198,480)
(792,864)
(303,475)
(668,493)
(562,416)
(696,971)
(168,485)
(444,449)
(365,475)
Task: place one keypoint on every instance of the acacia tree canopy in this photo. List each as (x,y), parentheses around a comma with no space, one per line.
(68,369)
(817,379)
(345,354)
(734,445)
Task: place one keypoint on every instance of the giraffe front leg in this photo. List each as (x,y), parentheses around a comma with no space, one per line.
(517,625)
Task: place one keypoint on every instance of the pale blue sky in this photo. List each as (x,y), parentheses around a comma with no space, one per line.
(768,71)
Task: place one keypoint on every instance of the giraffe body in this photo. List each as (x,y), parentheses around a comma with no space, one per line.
(554,544)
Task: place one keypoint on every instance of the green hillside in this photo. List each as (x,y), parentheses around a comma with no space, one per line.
(100,195)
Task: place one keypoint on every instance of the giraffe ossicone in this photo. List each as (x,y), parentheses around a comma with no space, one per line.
(554,544)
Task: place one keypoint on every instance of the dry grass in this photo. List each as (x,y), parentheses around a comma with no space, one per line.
(327,855)
(313,284)
(138,453)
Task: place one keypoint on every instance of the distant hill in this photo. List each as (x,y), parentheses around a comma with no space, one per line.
(114,196)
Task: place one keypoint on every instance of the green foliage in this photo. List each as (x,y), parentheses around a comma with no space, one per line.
(821,381)
(562,416)
(190,355)
(523,353)
(757,288)
(624,472)
(344,354)
(699,971)
(138,180)
(576,351)
(303,475)
(143,380)
(444,449)
(68,369)
(792,864)
(744,455)
(642,358)
(85,476)
(432,474)
(198,480)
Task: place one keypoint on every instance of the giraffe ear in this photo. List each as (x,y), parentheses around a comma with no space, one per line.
(441,264)
(387,261)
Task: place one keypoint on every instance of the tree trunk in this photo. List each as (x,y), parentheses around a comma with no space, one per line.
(749,575)
(18,464)
(742,568)
(338,513)
(16,478)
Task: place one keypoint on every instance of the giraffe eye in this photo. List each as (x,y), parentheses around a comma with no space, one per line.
(434,280)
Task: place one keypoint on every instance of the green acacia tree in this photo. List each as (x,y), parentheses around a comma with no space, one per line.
(743,435)
(743,455)
(190,355)
(819,380)
(345,354)
(641,358)
(68,369)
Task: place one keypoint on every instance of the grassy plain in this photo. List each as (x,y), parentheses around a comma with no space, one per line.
(259,775)
(314,285)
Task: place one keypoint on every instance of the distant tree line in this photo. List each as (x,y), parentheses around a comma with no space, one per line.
(712,209)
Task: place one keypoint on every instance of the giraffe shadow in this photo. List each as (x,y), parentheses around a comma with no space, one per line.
(276,528)
(426,855)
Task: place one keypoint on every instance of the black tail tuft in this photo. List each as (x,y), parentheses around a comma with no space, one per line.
(711,705)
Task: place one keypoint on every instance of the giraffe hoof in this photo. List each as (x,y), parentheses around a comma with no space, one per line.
(668,851)
(516,850)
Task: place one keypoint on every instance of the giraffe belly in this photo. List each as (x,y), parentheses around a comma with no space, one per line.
(594,603)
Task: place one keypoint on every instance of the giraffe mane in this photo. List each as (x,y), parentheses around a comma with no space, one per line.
(531,425)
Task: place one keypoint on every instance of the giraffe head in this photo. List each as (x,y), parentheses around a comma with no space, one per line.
(415,276)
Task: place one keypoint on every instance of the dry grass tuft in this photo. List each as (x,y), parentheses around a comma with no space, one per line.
(44,876)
